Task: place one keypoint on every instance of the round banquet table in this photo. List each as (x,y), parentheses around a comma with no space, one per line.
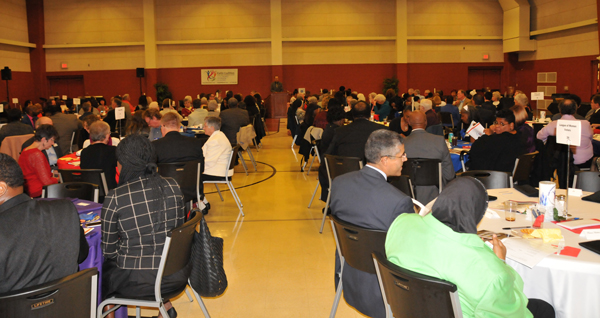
(569,284)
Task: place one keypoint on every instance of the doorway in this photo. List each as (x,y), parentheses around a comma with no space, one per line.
(481,77)
(71,86)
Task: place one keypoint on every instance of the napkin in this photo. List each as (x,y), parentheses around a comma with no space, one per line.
(547,235)
(491,214)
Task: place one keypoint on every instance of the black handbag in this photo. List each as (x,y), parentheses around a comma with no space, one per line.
(208,275)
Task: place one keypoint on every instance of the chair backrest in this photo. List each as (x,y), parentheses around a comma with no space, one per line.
(95,176)
(11,145)
(424,172)
(187,175)
(175,259)
(74,296)
(338,165)
(245,135)
(523,166)
(356,244)
(587,181)
(410,294)
(435,129)
(490,179)
(446,118)
(79,190)
(232,158)
(403,184)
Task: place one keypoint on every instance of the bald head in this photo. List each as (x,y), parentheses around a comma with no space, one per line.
(43,121)
(418,119)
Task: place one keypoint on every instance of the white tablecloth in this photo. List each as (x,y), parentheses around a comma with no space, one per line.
(571,285)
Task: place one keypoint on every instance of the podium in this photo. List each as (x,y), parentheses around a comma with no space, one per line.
(276,104)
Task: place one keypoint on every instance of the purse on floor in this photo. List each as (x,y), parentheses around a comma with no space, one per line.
(208,275)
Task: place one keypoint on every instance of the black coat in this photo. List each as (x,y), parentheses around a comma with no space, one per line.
(41,241)
(350,140)
(101,156)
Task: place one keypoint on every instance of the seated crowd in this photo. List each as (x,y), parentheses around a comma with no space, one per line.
(358,198)
(134,228)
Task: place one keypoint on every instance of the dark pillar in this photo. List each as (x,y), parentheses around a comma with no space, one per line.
(37,56)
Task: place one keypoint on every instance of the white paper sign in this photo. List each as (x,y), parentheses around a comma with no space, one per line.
(302,90)
(568,132)
(76,101)
(120,113)
(1,108)
(537,95)
(15,100)
(64,97)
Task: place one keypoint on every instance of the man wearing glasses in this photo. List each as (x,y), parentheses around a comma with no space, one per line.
(498,151)
(366,199)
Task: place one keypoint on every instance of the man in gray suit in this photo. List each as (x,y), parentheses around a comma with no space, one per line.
(66,125)
(232,120)
(366,199)
(421,144)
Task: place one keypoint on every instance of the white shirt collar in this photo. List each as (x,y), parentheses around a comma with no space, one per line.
(376,169)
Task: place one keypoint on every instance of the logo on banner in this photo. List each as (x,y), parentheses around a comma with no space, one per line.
(211,75)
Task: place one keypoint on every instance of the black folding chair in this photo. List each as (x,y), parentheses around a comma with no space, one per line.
(187,175)
(172,261)
(73,296)
(409,294)
(403,184)
(446,119)
(337,166)
(354,246)
(587,181)
(490,179)
(522,169)
(424,172)
(79,190)
(94,176)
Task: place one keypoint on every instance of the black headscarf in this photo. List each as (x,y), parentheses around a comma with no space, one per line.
(137,157)
(461,205)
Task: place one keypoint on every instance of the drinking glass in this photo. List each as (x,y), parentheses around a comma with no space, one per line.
(510,211)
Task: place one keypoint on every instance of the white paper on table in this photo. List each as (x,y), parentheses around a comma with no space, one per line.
(575,192)
(475,130)
(528,252)
(591,234)
(491,214)
(568,132)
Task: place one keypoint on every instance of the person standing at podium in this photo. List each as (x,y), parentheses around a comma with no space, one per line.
(276,86)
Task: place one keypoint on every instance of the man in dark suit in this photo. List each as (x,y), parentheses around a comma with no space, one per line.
(31,113)
(99,155)
(173,147)
(14,127)
(350,140)
(232,120)
(487,111)
(54,242)
(594,113)
(421,144)
(364,198)
(66,125)
(51,154)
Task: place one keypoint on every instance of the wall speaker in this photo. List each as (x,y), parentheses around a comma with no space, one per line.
(139,72)
(6,74)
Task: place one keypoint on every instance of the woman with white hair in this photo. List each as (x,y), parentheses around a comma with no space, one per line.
(382,107)
(522,100)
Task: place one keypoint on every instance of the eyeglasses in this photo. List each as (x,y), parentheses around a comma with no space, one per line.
(403,155)
(500,123)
